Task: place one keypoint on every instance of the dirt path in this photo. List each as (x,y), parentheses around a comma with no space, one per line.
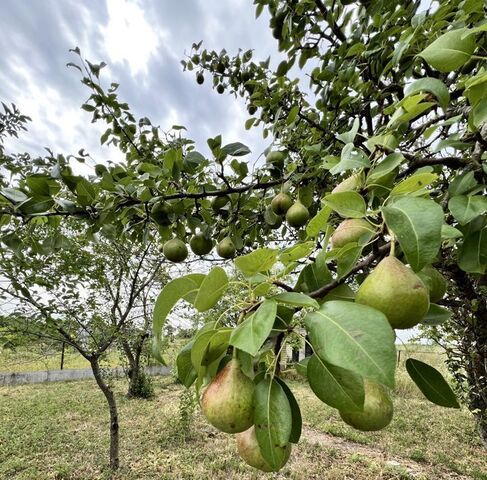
(414,469)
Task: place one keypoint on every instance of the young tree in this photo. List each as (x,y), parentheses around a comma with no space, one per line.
(89,295)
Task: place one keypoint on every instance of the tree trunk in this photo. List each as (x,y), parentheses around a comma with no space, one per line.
(112,405)
(136,376)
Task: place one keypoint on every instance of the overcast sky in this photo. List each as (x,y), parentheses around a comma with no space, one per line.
(142,42)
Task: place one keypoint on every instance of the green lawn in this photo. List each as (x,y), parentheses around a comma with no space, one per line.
(59,431)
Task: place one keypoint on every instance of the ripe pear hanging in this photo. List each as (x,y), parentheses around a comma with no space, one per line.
(396,291)
(228,401)
(378,409)
(249,450)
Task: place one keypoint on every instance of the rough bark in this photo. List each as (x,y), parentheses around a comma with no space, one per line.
(112,405)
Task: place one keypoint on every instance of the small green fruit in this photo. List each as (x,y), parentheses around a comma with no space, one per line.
(396,291)
(200,78)
(226,248)
(100,169)
(200,244)
(435,282)
(219,202)
(220,89)
(350,230)
(297,215)
(175,250)
(281,203)
(248,448)
(275,156)
(378,409)
(228,400)
(160,214)
(353,182)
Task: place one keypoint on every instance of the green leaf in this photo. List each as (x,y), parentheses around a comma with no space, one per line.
(415,183)
(448,232)
(236,149)
(312,277)
(14,195)
(36,205)
(346,257)
(336,386)
(472,257)
(293,113)
(350,158)
(318,223)
(389,164)
(347,204)
(301,250)
(185,371)
(85,192)
(450,51)
(213,287)
(174,291)
(431,383)
(349,137)
(302,367)
(436,315)
(462,184)
(465,208)
(417,224)
(296,299)
(259,260)
(354,337)
(297,424)
(200,349)
(432,85)
(273,421)
(251,334)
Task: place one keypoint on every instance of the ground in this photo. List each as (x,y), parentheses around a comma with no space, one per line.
(59,431)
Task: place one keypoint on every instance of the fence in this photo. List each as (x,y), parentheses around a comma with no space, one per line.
(20,378)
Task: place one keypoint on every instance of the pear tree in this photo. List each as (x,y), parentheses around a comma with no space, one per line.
(367,216)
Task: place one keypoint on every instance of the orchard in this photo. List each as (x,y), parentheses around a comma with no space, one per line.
(367,213)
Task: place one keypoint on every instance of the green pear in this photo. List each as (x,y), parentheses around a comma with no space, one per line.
(275,156)
(353,182)
(378,409)
(249,450)
(281,203)
(175,250)
(228,400)
(396,291)
(200,244)
(226,248)
(435,282)
(297,215)
(351,230)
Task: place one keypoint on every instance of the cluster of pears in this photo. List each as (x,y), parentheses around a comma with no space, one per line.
(175,250)
(228,404)
(296,213)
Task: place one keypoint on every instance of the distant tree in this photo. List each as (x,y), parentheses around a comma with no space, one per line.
(91,295)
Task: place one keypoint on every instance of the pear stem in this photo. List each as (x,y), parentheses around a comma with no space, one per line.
(392,252)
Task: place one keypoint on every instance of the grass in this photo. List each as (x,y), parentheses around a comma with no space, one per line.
(45,357)
(59,431)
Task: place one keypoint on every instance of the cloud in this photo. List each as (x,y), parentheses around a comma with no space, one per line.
(142,43)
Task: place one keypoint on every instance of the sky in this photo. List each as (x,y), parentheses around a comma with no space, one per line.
(143,42)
